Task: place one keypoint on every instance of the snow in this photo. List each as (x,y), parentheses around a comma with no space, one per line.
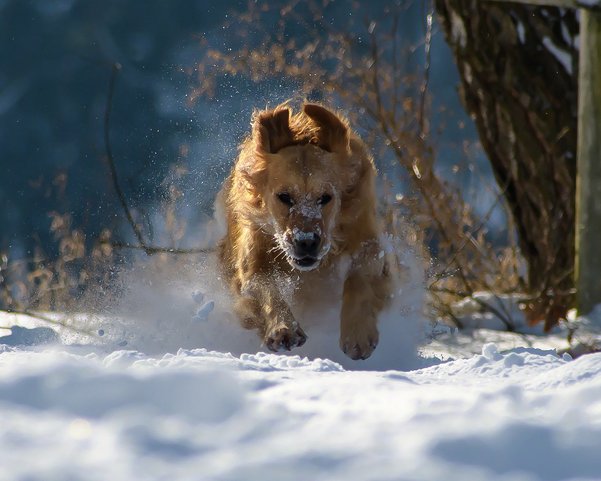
(169,387)
(79,414)
(565,58)
(521,32)
(589,3)
(458,31)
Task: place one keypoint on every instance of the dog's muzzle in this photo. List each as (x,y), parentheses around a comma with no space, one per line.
(305,250)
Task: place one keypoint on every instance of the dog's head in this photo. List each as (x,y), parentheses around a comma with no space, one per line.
(301,167)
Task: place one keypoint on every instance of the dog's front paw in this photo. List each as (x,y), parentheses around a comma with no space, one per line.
(285,336)
(359,343)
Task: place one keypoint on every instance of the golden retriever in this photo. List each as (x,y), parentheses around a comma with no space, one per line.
(300,202)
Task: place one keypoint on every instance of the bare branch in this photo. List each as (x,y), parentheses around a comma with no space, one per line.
(424,86)
(46,319)
(109,154)
(469,237)
(587,5)
(149,250)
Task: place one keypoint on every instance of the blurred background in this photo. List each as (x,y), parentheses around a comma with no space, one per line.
(468,107)
(55,65)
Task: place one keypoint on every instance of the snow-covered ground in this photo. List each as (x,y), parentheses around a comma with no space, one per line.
(74,414)
(135,398)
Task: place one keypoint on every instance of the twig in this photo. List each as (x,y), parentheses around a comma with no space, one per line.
(587,5)
(109,155)
(395,67)
(447,290)
(507,320)
(157,249)
(445,310)
(375,56)
(149,250)
(469,237)
(424,87)
(41,317)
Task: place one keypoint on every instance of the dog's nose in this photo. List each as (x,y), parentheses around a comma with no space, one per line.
(306,245)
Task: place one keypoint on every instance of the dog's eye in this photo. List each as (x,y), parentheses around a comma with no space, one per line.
(285,198)
(324,199)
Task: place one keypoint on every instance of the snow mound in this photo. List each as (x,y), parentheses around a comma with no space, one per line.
(80,388)
(253,362)
(85,415)
(162,312)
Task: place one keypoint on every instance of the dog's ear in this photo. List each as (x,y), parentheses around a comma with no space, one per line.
(333,134)
(270,133)
(271,130)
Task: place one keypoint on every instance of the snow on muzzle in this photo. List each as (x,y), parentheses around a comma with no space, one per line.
(307,249)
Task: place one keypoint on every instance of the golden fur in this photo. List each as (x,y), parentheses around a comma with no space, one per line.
(301,198)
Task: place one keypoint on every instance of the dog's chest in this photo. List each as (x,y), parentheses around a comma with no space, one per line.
(318,294)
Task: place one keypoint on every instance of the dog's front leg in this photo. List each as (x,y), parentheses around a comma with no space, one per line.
(358,318)
(283,331)
(366,291)
(262,306)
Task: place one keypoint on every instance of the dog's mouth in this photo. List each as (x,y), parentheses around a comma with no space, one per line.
(305,263)
(302,261)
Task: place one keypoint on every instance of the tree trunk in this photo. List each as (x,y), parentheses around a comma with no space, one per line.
(588,182)
(518,69)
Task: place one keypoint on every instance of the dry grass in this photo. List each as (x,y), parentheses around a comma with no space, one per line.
(56,283)
(74,273)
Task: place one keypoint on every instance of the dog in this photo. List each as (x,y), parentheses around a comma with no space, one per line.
(299,205)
